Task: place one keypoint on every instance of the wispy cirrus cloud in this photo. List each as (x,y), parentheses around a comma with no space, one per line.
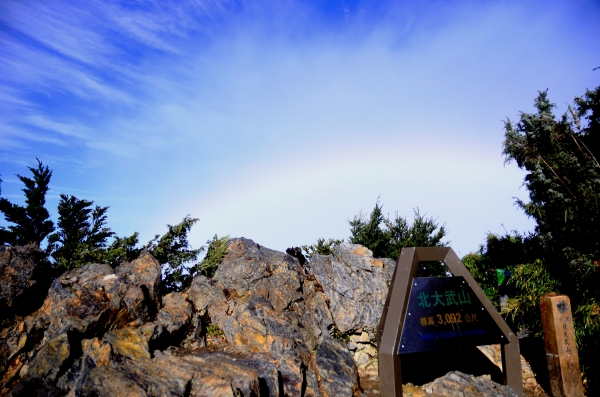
(72,59)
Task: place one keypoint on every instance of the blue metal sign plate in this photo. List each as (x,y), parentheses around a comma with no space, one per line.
(443,312)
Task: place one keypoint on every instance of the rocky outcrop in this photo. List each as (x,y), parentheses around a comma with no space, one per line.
(24,280)
(264,325)
(457,384)
(81,304)
(356,285)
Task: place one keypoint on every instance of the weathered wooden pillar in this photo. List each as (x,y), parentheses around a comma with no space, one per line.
(561,349)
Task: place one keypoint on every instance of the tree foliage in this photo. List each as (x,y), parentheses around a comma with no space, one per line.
(559,156)
(122,249)
(30,223)
(173,252)
(387,236)
(321,247)
(82,236)
(215,252)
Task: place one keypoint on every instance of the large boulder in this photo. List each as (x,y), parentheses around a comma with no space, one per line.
(249,267)
(24,280)
(95,298)
(169,374)
(356,285)
(82,303)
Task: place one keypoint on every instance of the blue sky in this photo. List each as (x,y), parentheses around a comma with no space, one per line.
(279,121)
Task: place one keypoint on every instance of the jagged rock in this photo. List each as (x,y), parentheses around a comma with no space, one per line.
(248,267)
(12,340)
(203,292)
(530,385)
(40,373)
(336,369)
(93,298)
(129,342)
(24,279)
(313,314)
(142,279)
(47,361)
(173,375)
(262,326)
(254,326)
(175,312)
(355,284)
(108,382)
(99,352)
(83,303)
(457,384)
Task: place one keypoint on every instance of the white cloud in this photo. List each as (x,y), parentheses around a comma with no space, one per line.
(268,121)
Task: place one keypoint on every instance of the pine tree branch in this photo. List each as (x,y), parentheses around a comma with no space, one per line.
(559,178)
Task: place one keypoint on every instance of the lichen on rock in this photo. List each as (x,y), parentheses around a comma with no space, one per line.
(264,325)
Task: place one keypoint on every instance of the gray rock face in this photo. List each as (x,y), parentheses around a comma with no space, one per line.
(356,285)
(336,368)
(24,279)
(263,326)
(84,302)
(93,298)
(248,267)
(457,384)
(175,313)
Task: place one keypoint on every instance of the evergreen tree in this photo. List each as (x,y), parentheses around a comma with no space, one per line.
(31,223)
(173,252)
(560,157)
(321,247)
(82,236)
(386,237)
(122,249)
(215,252)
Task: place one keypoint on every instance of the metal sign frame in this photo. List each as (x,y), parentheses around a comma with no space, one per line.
(394,311)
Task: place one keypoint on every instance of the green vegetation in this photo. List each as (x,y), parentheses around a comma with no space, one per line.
(173,252)
(214,330)
(563,253)
(83,237)
(386,237)
(31,224)
(217,247)
(321,247)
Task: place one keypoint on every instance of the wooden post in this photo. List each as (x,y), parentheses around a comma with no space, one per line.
(561,350)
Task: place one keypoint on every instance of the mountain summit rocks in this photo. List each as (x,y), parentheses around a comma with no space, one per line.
(264,325)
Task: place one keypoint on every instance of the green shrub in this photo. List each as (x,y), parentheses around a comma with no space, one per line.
(217,248)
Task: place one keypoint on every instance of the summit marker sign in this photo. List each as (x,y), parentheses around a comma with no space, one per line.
(435,313)
(443,312)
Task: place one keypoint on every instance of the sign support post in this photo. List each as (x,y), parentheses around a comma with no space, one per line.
(395,312)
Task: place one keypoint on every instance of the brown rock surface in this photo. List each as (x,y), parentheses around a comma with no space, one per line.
(336,369)
(93,298)
(128,342)
(263,326)
(355,284)
(24,280)
(175,313)
(457,384)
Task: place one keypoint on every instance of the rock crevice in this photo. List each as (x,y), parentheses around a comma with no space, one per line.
(264,325)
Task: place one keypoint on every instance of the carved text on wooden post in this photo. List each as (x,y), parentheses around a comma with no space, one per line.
(561,350)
